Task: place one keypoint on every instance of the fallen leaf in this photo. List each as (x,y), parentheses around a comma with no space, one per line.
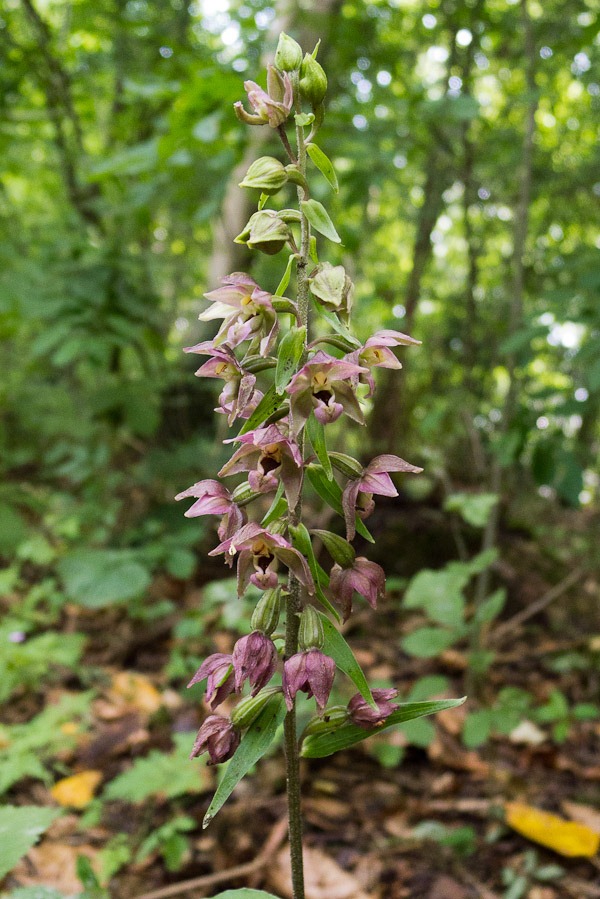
(447,888)
(78,790)
(565,837)
(130,691)
(584,814)
(323,877)
(53,864)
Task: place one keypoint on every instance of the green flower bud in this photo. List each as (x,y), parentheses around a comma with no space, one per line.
(265,232)
(288,56)
(265,617)
(310,635)
(332,718)
(313,81)
(333,288)
(266,174)
(250,708)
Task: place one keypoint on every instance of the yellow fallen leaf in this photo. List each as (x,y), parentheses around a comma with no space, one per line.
(69,728)
(78,790)
(566,837)
(136,691)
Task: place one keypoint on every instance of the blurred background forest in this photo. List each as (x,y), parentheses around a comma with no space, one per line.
(464,136)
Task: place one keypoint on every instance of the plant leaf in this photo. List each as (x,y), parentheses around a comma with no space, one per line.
(285,280)
(324,164)
(331,492)
(245,893)
(302,542)
(318,746)
(96,578)
(277,508)
(20,829)
(569,838)
(288,357)
(338,548)
(269,404)
(318,217)
(336,647)
(426,642)
(316,434)
(253,746)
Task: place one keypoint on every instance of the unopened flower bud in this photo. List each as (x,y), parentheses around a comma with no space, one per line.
(310,635)
(333,717)
(313,81)
(266,232)
(265,617)
(276,84)
(333,288)
(288,56)
(250,708)
(266,174)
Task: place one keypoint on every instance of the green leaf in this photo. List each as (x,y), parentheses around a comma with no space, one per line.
(477,728)
(277,509)
(289,355)
(312,249)
(338,548)
(161,774)
(269,404)
(318,217)
(475,508)
(337,647)
(285,280)
(490,608)
(316,434)
(427,642)
(96,578)
(302,542)
(318,746)
(253,746)
(262,200)
(20,829)
(324,164)
(331,492)
(245,893)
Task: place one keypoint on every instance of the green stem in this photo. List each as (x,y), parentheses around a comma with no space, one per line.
(294,599)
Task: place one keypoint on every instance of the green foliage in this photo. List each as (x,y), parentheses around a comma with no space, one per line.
(164,775)
(97,578)
(28,663)
(20,829)
(461,840)
(169,841)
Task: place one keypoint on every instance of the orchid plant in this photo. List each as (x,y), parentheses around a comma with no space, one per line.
(290,366)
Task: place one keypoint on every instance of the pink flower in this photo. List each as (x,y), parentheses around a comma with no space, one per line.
(214,499)
(259,551)
(364,577)
(270,108)
(218,737)
(268,455)
(358,493)
(218,669)
(323,386)
(376,354)
(238,399)
(254,659)
(309,672)
(247,312)
(364,715)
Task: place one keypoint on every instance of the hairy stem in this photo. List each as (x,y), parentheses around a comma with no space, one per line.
(294,599)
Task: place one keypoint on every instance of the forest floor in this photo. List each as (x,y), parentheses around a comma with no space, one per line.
(387,820)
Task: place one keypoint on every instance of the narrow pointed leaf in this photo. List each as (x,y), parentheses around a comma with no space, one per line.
(337,325)
(302,542)
(285,280)
(312,249)
(277,509)
(253,746)
(318,216)
(324,164)
(336,647)
(288,357)
(316,434)
(331,492)
(269,404)
(320,745)
(262,201)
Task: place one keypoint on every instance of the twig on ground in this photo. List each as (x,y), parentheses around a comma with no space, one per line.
(276,838)
(500,632)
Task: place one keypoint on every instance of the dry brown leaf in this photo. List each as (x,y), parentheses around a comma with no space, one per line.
(130,691)
(452,720)
(447,888)
(568,838)
(323,877)
(78,790)
(584,814)
(53,864)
